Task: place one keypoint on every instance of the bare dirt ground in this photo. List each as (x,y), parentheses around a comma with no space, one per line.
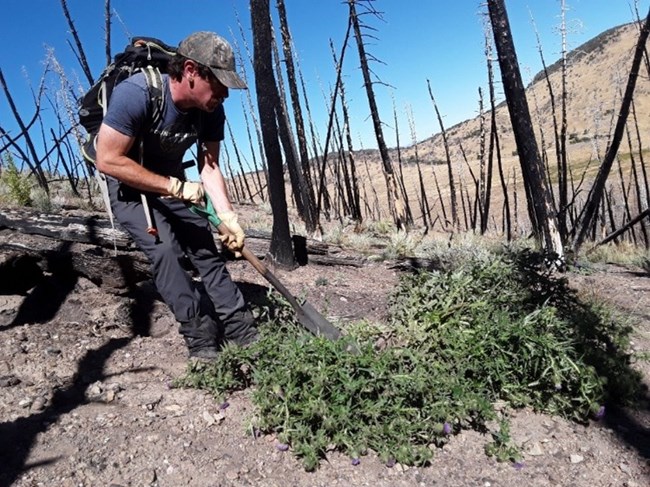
(85,397)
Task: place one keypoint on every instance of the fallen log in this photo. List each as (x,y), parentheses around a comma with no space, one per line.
(115,271)
(644,214)
(87,245)
(90,228)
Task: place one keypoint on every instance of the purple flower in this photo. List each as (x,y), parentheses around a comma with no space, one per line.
(446,429)
(518,465)
(224,405)
(356,461)
(600,414)
(282,446)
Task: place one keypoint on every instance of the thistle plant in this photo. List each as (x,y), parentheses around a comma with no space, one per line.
(492,328)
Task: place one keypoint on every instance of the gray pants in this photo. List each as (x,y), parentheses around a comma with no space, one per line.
(180,232)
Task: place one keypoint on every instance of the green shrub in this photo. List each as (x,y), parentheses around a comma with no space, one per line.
(16,185)
(492,328)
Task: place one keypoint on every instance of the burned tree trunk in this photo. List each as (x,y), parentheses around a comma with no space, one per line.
(296,177)
(450,174)
(596,192)
(537,190)
(350,179)
(268,106)
(395,200)
(35,164)
(308,197)
(79,53)
(322,187)
(107,30)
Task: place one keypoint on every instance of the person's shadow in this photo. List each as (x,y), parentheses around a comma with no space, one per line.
(17,437)
(49,292)
(41,305)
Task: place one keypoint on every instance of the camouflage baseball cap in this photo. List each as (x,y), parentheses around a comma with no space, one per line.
(214,52)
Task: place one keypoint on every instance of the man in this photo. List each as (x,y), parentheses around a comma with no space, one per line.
(141,159)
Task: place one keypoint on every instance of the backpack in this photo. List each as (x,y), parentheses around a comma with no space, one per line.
(145,54)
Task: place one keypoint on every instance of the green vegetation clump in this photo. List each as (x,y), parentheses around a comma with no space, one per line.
(14,184)
(490,329)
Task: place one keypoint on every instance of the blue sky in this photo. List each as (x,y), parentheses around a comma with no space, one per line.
(418,40)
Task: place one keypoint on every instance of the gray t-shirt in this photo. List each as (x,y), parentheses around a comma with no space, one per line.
(130,113)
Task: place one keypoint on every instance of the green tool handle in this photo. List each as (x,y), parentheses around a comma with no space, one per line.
(207,212)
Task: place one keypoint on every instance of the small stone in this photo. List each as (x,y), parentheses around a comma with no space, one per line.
(232,475)
(25,403)
(625,468)
(535,450)
(208,418)
(577,458)
(9,380)
(281,446)
(38,404)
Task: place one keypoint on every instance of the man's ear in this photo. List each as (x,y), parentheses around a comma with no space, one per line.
(190,67)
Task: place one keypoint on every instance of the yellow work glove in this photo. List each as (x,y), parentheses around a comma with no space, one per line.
(186,190)
(235,239)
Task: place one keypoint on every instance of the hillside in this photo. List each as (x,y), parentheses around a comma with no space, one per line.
(597,73)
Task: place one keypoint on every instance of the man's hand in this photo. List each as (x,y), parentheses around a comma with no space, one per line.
(186,190)
(235,240)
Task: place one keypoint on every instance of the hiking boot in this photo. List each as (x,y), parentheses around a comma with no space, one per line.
(240,329)
(201,337)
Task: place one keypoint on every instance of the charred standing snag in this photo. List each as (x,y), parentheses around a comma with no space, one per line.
(540,206)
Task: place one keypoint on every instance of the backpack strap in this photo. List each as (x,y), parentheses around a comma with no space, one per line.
(156,93)
(156,96)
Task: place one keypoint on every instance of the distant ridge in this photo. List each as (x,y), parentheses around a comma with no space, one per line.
(584,49)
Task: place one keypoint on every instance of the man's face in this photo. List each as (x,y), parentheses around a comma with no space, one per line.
(209,92)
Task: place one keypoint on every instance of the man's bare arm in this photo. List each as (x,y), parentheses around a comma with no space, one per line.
(212,177)
(112,160)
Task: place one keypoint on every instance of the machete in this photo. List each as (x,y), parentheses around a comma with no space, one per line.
(306,314)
